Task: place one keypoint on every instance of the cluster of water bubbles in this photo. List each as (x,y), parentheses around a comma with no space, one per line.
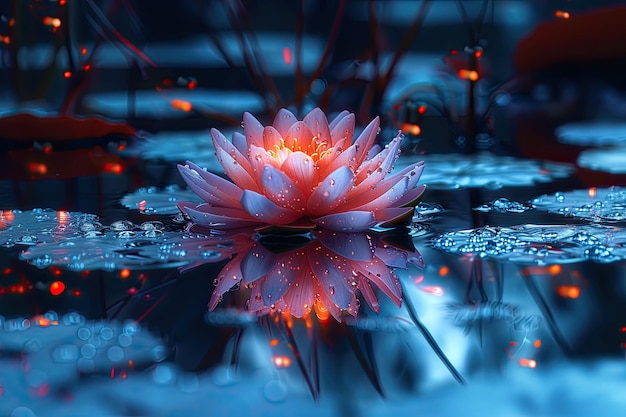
(503,205)
(152,200)
(537,244)
(596,204)
(78,242)
(484,170)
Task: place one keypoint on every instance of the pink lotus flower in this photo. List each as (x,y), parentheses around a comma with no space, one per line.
(325,275)
(303,170)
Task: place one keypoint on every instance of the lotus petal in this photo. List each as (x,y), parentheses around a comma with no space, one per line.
(366,139)
(318,123)
(331,191)
(300,167)
(280,189)
(337,119)
(331,280)
(266,211)
(280,278)
(219,217)
(299,137)
(234,170)
(377,272)
(353,246)
(351,220)
(299,298)
(283,121)
(253,130)
(227,279)
(240,143)
(256,263)
(343,129)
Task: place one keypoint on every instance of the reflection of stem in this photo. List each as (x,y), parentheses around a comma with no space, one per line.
(547,314)
(298,356)
(366,360)
(431,340)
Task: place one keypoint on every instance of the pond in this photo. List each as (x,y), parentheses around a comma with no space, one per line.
(321,290)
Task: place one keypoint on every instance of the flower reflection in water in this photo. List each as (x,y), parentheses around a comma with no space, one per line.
(322,274)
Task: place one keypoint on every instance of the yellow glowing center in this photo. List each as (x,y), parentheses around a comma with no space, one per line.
(315,149)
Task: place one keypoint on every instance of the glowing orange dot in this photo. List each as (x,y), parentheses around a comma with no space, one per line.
(282,361)
(67,74)
(274,342)
(11,22)
(62,2)
(7,271)
(537,343)
(181,105)
(561,14)
(113,167)
(443,271)
(37,168)
(5,39)
(421,109)
(76,293)
(86,67)
(130,363)
(592,192)
(478,53)
(287,55)
(124,273)
(623,329)
(568,291)
(192,84)
(321,311)
(554,269)
(83,51)
(411,128)
(434,290)
(468,75)
(55,22)
(57,288)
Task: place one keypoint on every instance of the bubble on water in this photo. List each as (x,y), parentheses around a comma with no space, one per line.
(595,204)
(115,354)
(538,244)
(159,201)
(84,333)
(275,391)
(503,205)
(65,353)
(32,345)
(88,351)
(23,412)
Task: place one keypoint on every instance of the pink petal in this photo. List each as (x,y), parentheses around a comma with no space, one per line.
(258,160)
(344,129)
(317,122)
(411,197)
(332,308)
(283,121)
(207,191)
(219,217)
(264,210)
(256,263)
(371,199)
(338,118)
(298,137)
(392,257)
(374,150)
(235,172)
(385,280)
(280,189)
(351,220)
(388,198)
(253,129)
(353,246)
(240,143)
(300,167)
(366,139)
(368,294)
(331,191)
(300,296)
(227,279)
(271,138)
(217,185)
(197,184)
(281,277)
(345,158)
(220,142)
(256,300)
(372,172)
(331,279)
(413,172)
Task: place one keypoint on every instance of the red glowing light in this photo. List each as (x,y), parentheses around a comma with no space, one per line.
(124,273)
(282,361)
(554,269)
(274,342)
(5,39)
(561,14)
(181,105)
(63,217)
(421,109)
(568,291)
(67,74)
(433,289)
(411,129)
(592,192)
(537,344)
(287,55)
(37,168)
(55,22)
(192,84)
(113,167)
(86,67)
(465,74)
(83,51)
(57,288)
(443,271)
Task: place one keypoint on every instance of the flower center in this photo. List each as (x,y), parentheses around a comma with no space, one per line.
(316,149)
